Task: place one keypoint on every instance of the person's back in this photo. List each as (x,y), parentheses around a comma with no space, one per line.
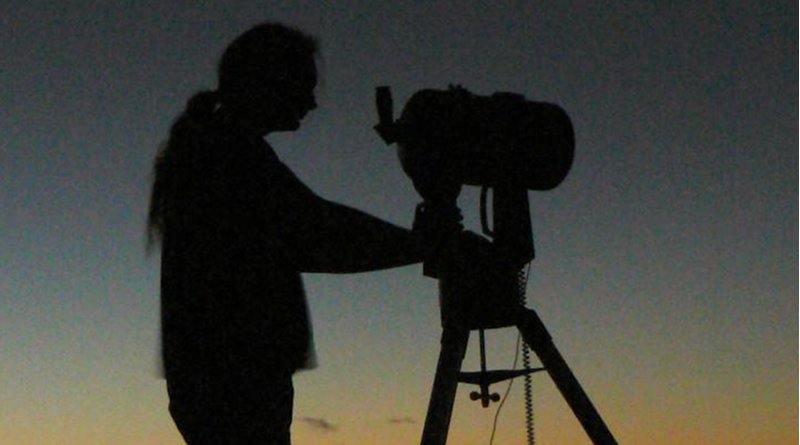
(227,265)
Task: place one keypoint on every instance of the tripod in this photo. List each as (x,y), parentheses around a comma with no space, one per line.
(533,331)
(485,297)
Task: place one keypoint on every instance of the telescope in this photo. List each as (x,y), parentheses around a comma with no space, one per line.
(507,144)
(452,136)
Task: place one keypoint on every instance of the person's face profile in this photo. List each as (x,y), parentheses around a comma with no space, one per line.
(299,88)
(288,98)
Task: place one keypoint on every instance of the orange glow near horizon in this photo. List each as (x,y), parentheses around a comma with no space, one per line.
(362,415)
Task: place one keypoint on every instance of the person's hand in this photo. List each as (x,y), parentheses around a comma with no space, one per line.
(437,224)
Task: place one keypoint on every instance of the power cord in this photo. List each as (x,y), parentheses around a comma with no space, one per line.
(505,395)
(529,424)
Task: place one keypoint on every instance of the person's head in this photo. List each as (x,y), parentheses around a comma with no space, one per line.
(267,77)
(266,83)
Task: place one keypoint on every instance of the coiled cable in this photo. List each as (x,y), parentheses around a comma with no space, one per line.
(522,282)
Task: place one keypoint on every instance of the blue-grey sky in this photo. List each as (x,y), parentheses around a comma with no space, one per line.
(667,260)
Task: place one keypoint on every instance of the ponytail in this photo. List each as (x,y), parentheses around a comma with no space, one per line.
(201,106)
(194,120)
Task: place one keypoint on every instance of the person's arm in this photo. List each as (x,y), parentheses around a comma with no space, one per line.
(317,235)
(334,238)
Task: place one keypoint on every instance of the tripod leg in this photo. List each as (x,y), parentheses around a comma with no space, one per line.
(445,384)
(537,337)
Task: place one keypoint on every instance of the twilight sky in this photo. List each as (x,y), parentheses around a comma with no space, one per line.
(667,260)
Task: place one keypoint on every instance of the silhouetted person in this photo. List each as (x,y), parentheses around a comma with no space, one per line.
(237,228)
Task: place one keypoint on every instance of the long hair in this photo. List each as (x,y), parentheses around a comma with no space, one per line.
(261,55)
